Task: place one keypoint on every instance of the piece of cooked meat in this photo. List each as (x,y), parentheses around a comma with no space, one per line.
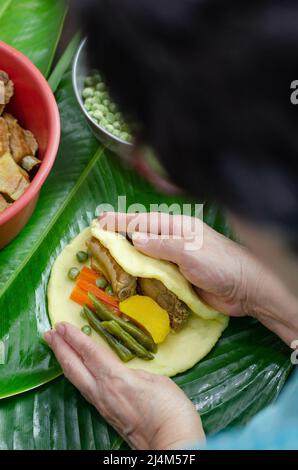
(124,285)
(178,311)
(4,137)
(13,182)
(3,203)
(21,142)
(6,90)
(30,164)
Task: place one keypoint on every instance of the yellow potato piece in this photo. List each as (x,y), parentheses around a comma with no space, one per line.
(148,314)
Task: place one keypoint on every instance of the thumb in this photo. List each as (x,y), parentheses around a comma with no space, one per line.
(160,247)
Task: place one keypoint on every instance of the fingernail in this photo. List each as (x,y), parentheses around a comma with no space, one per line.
(140,238)
(48,337)
(60,328)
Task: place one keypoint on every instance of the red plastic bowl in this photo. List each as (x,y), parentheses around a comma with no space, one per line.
(34,105)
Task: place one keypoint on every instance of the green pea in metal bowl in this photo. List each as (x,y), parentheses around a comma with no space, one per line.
(80,72)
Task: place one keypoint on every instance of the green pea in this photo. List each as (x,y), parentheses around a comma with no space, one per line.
(110,118)
(124,136)
(103,123)
(86,329)
(73,273)
(97,96)
(109,290)
(110,128)
(101,86)
(102,108)
(116,125)
(113,107)
(101,282)
(96,106)
(98,115)
(97,77)
(118,116)
(88,101)
(116,132)
(106,102)
(88,92)
(89,81)
(88,107)
(82,256)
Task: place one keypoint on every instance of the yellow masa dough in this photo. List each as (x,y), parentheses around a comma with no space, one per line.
(180,351)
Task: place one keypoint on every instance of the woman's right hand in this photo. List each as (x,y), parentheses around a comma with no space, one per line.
(225,274)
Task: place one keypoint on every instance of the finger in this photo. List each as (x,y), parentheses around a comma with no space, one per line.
(98,359)
(158,223)
(168,249)
(153,222)
(72,365)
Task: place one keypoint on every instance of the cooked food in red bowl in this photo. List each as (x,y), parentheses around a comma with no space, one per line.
(29,139)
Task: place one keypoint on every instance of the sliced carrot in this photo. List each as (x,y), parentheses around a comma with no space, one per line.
(88,274)
(81,297)
(99,293)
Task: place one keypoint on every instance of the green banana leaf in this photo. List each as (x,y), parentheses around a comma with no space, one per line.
(243,373)
(53,417)
(33,27)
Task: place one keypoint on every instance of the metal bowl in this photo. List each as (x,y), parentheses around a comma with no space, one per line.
(79,72)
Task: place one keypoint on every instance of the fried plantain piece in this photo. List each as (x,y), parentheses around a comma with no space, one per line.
(178,311)
(21,142)
(124,285)
(4,137)
(3,204)
(13,181)
(6,90)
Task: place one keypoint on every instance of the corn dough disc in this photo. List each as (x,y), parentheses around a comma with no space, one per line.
(179,352)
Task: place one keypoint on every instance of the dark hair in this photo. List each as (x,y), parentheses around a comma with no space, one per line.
(209,83)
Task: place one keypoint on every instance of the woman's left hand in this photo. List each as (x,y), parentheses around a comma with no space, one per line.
(149,411)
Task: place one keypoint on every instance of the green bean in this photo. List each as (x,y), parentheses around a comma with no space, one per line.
(115,329)
(86,329)
(73,273)
(104,313)
(82,256)
(83,315)
(124,353)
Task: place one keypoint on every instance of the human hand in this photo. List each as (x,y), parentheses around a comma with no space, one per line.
(220,270)
(224,273)
(147,410)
